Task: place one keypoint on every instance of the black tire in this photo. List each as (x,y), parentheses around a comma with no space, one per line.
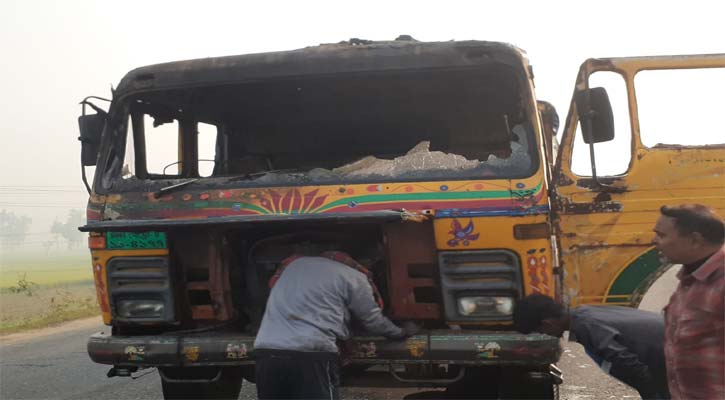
(226,387)
(506,383)
(477,383)
(520,383)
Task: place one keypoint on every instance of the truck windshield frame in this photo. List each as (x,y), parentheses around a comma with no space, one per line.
(402,126)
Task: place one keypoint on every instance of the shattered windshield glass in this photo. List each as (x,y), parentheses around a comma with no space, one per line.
(418,162)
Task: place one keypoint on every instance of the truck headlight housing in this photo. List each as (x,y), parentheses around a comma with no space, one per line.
(140,309)
(140,290)
(489,306)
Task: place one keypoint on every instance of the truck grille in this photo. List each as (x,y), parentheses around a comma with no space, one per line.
(478,273)
(140,279)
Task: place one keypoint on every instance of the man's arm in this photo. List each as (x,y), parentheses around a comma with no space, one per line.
(603,345)
(363,307)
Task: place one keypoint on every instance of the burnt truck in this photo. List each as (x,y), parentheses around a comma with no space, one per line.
(437,157)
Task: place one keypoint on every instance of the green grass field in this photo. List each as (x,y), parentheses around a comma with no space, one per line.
(38,290)
(45,270)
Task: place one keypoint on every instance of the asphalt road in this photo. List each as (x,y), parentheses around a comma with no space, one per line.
(53,364)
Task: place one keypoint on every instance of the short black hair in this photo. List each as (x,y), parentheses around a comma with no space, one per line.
(690,218)
(532,309)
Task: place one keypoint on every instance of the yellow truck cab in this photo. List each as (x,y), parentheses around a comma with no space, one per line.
(435,156)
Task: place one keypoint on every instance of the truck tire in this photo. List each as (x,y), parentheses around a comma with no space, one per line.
(505,383)
(521,383)
(477,383)
(203,382)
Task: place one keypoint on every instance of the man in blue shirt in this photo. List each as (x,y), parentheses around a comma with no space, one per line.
(626,343)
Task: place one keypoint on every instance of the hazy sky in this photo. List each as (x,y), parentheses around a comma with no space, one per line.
(54,53)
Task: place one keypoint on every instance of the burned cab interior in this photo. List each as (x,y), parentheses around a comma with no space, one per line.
(466,123)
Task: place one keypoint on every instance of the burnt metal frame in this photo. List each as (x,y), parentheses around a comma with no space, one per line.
(325,60)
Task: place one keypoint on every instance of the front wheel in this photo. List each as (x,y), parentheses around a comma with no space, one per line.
(201,382)
(507,383)
(521,383)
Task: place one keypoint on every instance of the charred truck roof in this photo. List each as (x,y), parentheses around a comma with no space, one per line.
(352,56)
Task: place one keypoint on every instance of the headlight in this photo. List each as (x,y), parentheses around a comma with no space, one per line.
(140,308)
(485,306)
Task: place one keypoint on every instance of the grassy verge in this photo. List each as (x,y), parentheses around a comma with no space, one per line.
(45,270)
(42,289)
(41,306)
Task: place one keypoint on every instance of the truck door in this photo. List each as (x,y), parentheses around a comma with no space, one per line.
(641,133)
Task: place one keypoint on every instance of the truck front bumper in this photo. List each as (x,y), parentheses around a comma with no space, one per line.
(229,348)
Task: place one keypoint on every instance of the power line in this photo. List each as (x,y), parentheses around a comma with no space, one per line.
(10,205)
(37,202)
(38,191)
(27,234)
(24,242)
(39,186)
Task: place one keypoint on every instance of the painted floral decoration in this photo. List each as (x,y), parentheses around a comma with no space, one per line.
(462,235)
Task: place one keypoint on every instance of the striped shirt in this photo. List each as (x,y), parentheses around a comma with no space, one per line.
(694,332)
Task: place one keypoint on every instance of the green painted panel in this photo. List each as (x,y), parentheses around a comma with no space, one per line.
(632,276)
(135,240)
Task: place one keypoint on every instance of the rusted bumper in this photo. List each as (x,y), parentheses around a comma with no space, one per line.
(217,349)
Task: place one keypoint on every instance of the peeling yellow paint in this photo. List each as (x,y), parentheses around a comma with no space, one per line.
(602,231)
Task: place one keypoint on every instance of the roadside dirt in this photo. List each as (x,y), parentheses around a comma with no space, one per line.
(45,305)
(52,330)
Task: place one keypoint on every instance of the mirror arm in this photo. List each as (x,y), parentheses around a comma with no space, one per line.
(85,180)
(95,108)
(587,130)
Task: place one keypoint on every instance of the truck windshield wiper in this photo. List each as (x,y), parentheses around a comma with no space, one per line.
(171,188)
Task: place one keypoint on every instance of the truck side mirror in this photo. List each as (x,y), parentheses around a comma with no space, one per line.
(91,127)
(595,114)
(549,117)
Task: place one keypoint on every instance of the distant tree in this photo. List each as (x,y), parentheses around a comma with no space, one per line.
(69,229)
(13,229)
(57,230)
(47,244)
(76,218)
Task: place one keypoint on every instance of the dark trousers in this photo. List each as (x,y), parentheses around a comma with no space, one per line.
(297,375)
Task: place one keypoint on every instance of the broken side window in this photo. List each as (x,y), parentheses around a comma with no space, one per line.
(680,106)
(206,148)
(612,157)
(162,146)
(129,159)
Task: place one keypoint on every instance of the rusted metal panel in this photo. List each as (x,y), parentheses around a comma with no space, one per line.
(413,264)
(594,207)
(202,258)
(613,184)
(202,312)
(219,282)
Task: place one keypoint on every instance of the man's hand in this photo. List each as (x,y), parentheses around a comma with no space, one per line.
(409,329)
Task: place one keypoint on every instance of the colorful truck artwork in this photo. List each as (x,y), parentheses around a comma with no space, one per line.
(435,156)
